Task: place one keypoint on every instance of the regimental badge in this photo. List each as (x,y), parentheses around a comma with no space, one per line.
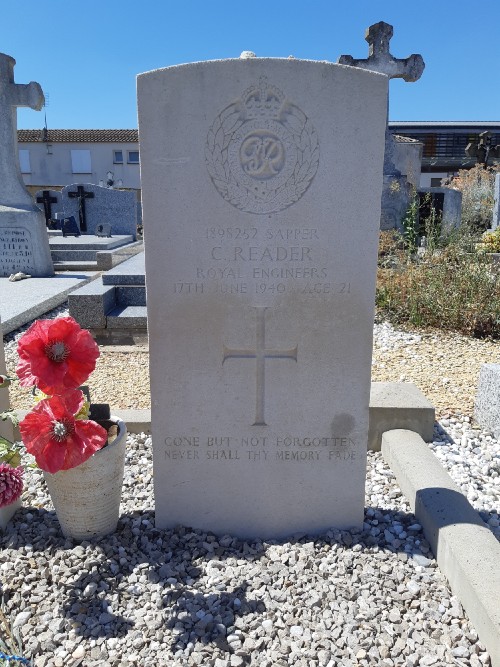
(262,151)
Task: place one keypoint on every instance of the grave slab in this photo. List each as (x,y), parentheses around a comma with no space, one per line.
(260,288)
(23,301)
(130,272)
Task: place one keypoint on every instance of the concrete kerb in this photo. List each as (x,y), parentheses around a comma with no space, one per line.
(466,550)
(108,259)
(399,405)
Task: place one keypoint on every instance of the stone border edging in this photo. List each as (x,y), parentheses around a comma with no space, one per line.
(466,551)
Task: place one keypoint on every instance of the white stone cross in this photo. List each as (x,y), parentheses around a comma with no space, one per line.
(380,60)
(12,190)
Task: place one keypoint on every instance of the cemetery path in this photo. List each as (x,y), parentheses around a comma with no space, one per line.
(445,367)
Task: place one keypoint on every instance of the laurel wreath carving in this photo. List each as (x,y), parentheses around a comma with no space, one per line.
(216,155)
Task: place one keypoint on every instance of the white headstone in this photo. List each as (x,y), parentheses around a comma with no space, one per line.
(261,186)
(24,243)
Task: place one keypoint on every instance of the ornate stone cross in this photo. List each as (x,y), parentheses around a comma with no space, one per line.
(81,195)
(47,202)
(13,192)
(380,60)
(483,150)
(260,354)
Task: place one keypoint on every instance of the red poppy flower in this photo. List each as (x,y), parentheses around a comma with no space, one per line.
(11,484)
(56,439)
(56,355)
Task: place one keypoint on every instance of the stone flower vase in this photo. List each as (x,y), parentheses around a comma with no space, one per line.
(87,498)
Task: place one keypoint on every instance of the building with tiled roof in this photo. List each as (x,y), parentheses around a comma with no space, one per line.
(55,158)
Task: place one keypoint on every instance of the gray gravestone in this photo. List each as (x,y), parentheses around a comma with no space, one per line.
(24,244)
(97,205)
(50,202)
(496,204)
(260,284)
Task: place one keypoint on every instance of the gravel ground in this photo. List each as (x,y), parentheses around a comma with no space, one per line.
(344,599)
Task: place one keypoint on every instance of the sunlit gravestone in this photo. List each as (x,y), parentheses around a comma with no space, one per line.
(24,244)
(261,186)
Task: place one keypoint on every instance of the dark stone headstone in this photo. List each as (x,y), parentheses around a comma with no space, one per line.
(81,195)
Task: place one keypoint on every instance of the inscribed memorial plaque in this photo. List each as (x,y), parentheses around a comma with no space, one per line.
(261,186)
(16,250)
(70,227)
(104,230)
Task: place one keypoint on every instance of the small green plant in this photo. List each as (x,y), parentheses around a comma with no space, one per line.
(390,248)
(477,188)
(432,224)
(410,224)
(490,241)
(455,291)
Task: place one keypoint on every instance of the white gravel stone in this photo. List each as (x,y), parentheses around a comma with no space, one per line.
(184,597)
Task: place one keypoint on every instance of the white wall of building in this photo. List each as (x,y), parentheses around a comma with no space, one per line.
(52,164)
(425,179)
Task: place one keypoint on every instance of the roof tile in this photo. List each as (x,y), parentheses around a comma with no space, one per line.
(73,136)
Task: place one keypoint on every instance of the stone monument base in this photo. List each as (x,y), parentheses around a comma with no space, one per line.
(24,242)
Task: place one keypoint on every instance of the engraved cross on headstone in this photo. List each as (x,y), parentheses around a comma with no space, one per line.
(12,189)
(47,202)
(260,354)
(380,60)
(81,195)
(483,150)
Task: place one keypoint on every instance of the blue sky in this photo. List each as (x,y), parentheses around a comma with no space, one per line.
(86,55)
